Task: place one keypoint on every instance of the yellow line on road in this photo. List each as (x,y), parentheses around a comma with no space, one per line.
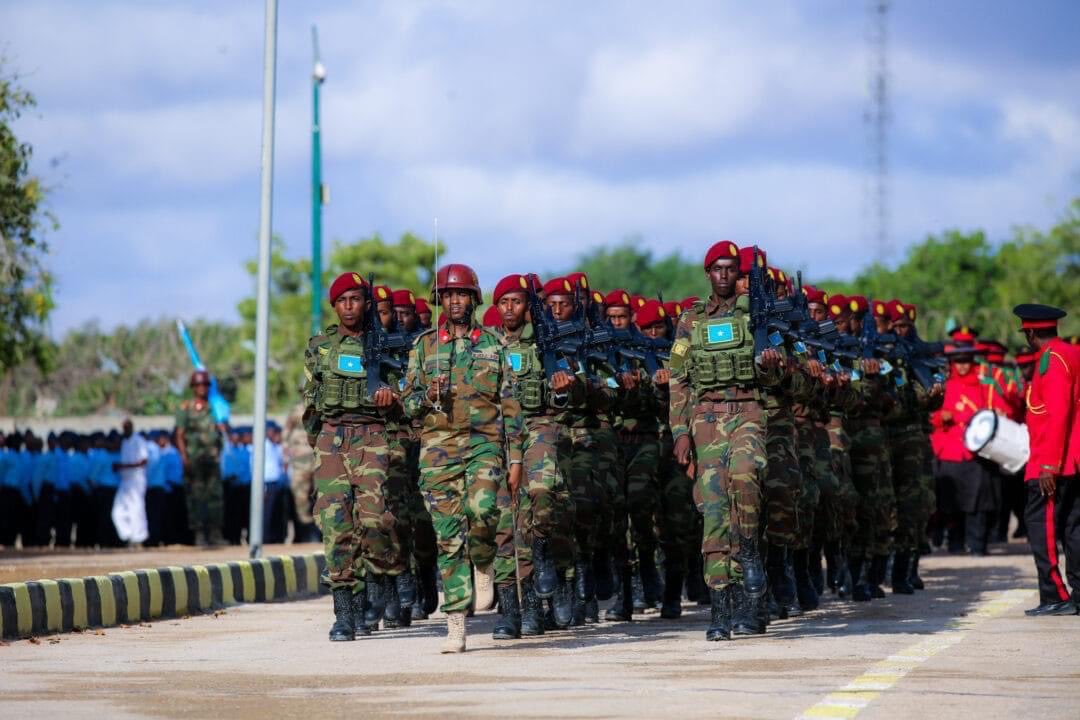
(849,700)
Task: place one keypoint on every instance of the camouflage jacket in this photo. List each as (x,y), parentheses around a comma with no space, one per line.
(479,414)
(201,435)
(683,397)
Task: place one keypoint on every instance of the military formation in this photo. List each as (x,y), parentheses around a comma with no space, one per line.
(749,451)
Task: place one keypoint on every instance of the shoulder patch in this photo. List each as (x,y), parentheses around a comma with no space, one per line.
(1044,362)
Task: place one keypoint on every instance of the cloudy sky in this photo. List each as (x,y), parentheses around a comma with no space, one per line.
(532,130)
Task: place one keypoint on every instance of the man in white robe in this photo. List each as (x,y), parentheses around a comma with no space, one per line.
(129,508)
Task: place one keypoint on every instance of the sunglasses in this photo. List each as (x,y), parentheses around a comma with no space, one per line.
(200,384)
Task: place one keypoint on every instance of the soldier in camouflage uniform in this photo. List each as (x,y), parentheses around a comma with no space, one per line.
(716,383)
(871,474)
(301,463)
(526,545)
(458,383)
(199,441)
(675,516)
(905,427)
(638,432)
(345,410)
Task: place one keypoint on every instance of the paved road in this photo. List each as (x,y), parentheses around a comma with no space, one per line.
(961,649)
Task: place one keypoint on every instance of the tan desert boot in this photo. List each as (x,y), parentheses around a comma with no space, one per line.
(455,633)
(484,588)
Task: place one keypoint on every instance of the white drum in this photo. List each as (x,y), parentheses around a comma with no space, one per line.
(999,439)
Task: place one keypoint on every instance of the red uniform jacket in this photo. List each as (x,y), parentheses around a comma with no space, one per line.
(1000,393)
(965,395)
(1053,411)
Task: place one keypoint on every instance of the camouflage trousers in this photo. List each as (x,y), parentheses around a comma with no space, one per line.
(640,454)
(783,480)
(462,499)
(810,497)
(677,516)
(847,498)
(611,481)
(906,444)
(205,494)
(592,517)
(731,460)
(302,484)
(407,504)
(872,474)
(540,499)
(829,521)
(352,504)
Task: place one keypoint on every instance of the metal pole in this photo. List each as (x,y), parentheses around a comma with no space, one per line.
(318,76)
(262,312)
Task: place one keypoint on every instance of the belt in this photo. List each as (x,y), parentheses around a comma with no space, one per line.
(727,406)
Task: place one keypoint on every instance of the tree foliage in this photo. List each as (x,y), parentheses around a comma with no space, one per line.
(628,267)
(25,286)
(961,278)
(142,369)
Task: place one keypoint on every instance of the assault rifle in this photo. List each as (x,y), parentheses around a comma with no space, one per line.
(383,349)
(555,340)
(219,405)
(762,307)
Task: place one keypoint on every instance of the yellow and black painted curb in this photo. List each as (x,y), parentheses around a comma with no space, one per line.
(43,607)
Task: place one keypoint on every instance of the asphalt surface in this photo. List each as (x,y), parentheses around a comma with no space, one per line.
(960,649)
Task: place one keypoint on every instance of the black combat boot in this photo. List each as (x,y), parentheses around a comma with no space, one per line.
(638,592)
(901,573)
(359,608)
(696,589)
(429,581)
(532,610)
(650,578)
(804,587)
(406,588)
(603,575)
(672,606)
(343,628)
(753,570)
(392,605)
(622,610)
(545,574)
(417,611)
(744,612)
(562,604)
(376,601)
(860,591)
(791,590)
(720,621)
(508,626)
(834,561)
(584,582)
(914,578)
(817,576)
(579,611)
(592,611)
(877,576)
(783,594)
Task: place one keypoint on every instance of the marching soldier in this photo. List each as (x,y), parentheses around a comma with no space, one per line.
(199,440)
(459,386)
(718,423)
(346,406)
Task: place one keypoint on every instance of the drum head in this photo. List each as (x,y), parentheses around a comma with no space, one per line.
(980,430)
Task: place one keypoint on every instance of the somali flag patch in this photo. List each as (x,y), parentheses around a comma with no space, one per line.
(350,363)
(720,333)
(514,359)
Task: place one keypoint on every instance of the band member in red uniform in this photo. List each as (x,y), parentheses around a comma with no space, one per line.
(967,495)
(1053,470)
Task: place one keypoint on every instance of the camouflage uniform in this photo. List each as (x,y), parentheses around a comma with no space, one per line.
(202,475)
(544,493)
(462,453)
(301,460)
(638,430)
(783,481)
(677,517)
(908,444)
(871,468)
(715,400)
(352,504)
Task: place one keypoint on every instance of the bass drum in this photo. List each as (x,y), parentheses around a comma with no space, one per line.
(999,439)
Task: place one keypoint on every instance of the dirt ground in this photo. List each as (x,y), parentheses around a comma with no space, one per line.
(962,648)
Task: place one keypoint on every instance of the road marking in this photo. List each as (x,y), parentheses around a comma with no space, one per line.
(849,700)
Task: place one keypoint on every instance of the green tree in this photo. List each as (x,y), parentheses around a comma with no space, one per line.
(406,264)
(961,278)
(631,268)
(25,285)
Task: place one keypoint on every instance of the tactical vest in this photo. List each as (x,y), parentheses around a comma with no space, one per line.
(721,350)
(530,382)
(343,387)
